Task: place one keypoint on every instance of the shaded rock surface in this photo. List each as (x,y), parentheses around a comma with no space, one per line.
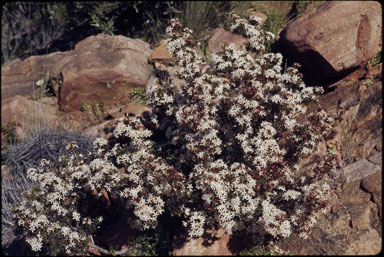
(350,229)
(353,224)
(334,37)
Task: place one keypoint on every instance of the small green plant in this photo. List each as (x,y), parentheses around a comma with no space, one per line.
(150,245)
(100,20)
(256,250)
(370,80)
(102,105)
(112,251)
(83,107)
(275,20)
(10,134)
(138,96)
(376,60)
(301,6)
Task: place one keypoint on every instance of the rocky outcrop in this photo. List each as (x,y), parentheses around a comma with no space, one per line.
(349,229)
(100,68)
(353,224)
(20,77)
(334,38)
(105,68)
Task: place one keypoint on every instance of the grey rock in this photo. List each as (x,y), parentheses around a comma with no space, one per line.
(359,170)
(377,159)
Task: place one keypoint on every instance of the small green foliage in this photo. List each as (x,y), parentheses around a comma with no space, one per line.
(275,20)
(102,105)
(101,21)
(145,245)
(83,107)
(138,96)
(301,6)
(10,134)
(370,80)
(376,60)
(153,242)
(256,250)
(112,251)
(87,125)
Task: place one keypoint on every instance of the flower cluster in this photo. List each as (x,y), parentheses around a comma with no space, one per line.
(51,213)
(221,150)
(235,125)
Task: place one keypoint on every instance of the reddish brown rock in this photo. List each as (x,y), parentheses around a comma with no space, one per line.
(100,68)
(373,184)
(28,116)
(219,37)
(20,77)
(334,37)
(104,68)
(360,132)
(195,247)
(342,232)
(367,125)
(160,55)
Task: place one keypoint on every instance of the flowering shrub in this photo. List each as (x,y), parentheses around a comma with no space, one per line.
(235,132)
(222,150)
(52,214)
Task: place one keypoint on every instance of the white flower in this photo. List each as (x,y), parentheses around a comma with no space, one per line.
(76,216)
(35,242)
(65,230)
(291,194)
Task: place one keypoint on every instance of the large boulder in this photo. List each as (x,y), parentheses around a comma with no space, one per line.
(101,68)
(334,38)
(104,68)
